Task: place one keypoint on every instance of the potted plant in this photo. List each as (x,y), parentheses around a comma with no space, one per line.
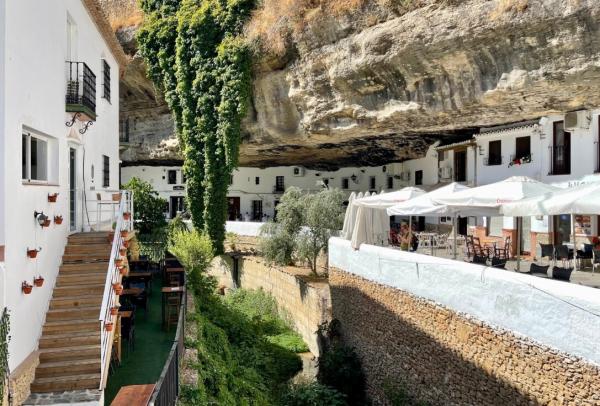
(108,325)
(58,220)
(126,215)
(123,270)
(125,244)
(46,223)
(33,253)
(38,281)
(118,288)
(124,233)
(118,262)
(26,287)
(123,252)
(52,197)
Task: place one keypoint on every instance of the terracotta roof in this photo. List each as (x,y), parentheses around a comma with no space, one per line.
(470,141)
(507,127)
(99,18)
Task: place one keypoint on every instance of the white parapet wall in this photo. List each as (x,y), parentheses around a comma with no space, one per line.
(561,315)
(246,228)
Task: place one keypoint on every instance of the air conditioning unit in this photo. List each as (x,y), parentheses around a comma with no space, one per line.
(445,172)
(405,176)
(298,171)
(577,120)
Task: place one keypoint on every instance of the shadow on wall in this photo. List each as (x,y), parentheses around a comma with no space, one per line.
(395,352)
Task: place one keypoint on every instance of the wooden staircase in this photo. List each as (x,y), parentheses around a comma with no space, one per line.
(70,342)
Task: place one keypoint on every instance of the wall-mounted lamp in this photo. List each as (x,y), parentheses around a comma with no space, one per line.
(384,168)
(538,131)
(354,178)
(41,218)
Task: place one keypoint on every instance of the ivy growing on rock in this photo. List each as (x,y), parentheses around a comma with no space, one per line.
(198,59)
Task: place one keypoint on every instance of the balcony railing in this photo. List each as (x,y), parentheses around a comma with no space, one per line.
(560,160)
(81,90)
(493,160)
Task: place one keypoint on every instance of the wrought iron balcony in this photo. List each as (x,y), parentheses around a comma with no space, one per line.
(81,90)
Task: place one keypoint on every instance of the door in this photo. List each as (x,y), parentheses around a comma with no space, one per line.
(233,208)
(463,223)
(72,189)
(257,212)
(561,151)
(275,210)
(177,206)
(525,225)
(460,166)
(562,229)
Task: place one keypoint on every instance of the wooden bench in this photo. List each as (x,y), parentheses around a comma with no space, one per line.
(133,395)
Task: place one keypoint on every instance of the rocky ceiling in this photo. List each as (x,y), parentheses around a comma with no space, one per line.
(367,94)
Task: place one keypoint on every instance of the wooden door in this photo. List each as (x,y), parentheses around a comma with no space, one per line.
(233,208)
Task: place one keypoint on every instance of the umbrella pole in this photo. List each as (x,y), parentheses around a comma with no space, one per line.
(454,242)
(574,241)
(519,244)
(409,233)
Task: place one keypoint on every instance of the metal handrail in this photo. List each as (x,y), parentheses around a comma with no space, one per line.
(109,298)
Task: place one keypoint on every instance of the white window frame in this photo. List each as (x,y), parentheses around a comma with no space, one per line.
(27,179)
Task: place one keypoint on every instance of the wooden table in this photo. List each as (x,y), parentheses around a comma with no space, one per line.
(167,290)
(132,292)
(175,270)
(145,277)
(133,395)
(126,314)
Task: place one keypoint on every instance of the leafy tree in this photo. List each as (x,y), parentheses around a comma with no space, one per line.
(148,206)
(196,56)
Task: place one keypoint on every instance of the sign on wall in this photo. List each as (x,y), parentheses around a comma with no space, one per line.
(583,224)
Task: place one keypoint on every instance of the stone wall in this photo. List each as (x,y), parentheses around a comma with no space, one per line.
(305,299)
(21,378)
(446,358)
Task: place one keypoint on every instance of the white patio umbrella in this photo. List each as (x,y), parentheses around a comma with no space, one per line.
(584,199)
(493,195)
(372,223)
(349,218)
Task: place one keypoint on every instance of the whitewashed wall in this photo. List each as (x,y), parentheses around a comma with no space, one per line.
(35,88)
(558,314)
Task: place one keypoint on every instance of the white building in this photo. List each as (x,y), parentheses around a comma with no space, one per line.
(60,65)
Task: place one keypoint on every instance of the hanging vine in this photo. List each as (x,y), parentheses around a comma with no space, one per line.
(4,339)
(197,58)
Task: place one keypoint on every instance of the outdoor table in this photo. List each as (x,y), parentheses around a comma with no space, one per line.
(133,395)
(139,264)
(145,277)
(176,270)
(167,291)
(131,292)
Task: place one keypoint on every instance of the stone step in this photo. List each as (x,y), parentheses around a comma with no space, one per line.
(66,383)
(66,368)
(78,290)
(75,313)
(57,339)
(81,278)
(70,353)
(80,267)
(86,258)
(86,325)
(76,301)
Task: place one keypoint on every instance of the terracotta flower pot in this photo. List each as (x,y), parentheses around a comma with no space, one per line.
(123,252)
(108,326)
(118,288)
(52,197)
(38,282)
(26,288)
(114,310)
(123,270)
(126,244)
(58,220)
(116,197)
(126,215)
(46,223)
(124,233)
(118,262)
(32,253)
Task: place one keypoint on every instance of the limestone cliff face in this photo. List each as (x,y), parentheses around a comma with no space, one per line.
(361,92)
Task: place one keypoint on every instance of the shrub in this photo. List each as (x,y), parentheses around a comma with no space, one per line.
(148,206)
(312,394)
(192,248)
(276,245)
(340,368)
(290,340)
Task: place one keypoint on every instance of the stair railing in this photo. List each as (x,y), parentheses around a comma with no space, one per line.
(113,276)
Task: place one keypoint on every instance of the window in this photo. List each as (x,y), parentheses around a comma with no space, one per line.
(390,182)
(494,153)
(523,147)
(124,130)
(279,184)
(105,171)
(34,159)
(231,179)
(372,183)
(419,177)
(106,76)
(441,155)
(561,150)
(495,226)
(257,180)
(345,184)
(172,177)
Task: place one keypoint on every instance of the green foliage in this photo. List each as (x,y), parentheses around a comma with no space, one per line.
(237,365)
(175,226)
(194,250)
(290,340)
(312,394)
(4,339)
(320,214)
(196,56)
(148,206)
(232,239)
(397,394)
(340,368)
